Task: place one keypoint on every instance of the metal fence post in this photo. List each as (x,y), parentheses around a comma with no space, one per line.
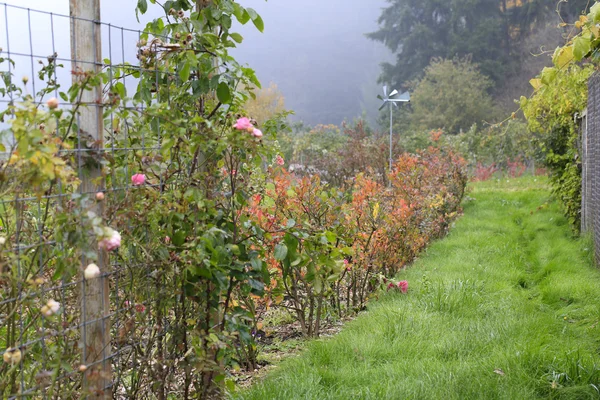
(585,178)
(86,52)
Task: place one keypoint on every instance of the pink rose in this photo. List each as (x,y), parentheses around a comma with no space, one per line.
(403,286)
(257,133)
(138,179)
(243,124)
(279,160)
(100,196)
(52,103)
(111,240)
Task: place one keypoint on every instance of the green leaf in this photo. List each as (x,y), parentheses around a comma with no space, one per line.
(256,264)
(259,24)
(563,56)
(594,14)
(256,19)
(184,73)
(223,93)
(236,37)
(242,15)
(256,285)
(536,83)
(318,285)
(280,251)
(142,5)
(548,75)
(119,87)
(252,13)
(581,47)
(179,238)
(523,101)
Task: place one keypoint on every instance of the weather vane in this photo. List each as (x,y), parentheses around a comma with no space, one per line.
(404,98)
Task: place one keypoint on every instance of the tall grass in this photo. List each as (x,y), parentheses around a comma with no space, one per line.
(506,307)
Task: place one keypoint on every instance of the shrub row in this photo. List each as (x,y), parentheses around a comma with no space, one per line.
(329,249)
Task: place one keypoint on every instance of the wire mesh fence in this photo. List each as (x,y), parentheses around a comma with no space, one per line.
(67,336)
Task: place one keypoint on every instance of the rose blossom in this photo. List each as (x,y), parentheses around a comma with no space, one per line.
(243,124)
(138,179)
(111,239)
(92,271)
(50,308)
(52,103)
(257,133)
(403,286)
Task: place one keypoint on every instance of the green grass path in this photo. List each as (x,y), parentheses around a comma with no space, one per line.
(506,307)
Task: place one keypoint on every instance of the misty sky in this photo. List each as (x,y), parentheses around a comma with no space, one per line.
(314,50)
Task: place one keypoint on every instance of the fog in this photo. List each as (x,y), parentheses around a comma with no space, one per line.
(313,50)
(316,53)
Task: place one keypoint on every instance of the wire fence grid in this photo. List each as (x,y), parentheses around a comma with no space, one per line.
(55,357)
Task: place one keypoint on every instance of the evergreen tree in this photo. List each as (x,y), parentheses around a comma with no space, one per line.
(491,31)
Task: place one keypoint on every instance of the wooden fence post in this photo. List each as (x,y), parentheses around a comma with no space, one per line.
(86,53)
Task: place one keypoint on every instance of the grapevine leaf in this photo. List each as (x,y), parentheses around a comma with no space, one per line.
(581,47)
(563,56)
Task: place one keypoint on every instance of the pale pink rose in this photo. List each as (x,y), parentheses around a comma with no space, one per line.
(243,124)
(100,196)
(111,240)
(257,133)
(138,179)
(279,160)
(52,103)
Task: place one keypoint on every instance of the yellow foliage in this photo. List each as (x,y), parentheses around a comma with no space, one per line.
(268,102)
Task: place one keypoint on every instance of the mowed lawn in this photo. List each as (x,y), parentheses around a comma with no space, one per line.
(507,306)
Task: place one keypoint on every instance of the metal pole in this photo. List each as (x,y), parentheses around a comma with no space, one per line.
(86,54)
(391,127)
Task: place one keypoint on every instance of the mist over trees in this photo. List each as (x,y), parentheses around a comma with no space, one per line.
(317,54)
(499,36)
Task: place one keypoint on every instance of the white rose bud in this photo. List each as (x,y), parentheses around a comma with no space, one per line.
(91,271)
(50,308)
(2,240)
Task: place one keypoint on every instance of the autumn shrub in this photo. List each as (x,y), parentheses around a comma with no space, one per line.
(331,249)
(339,154)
